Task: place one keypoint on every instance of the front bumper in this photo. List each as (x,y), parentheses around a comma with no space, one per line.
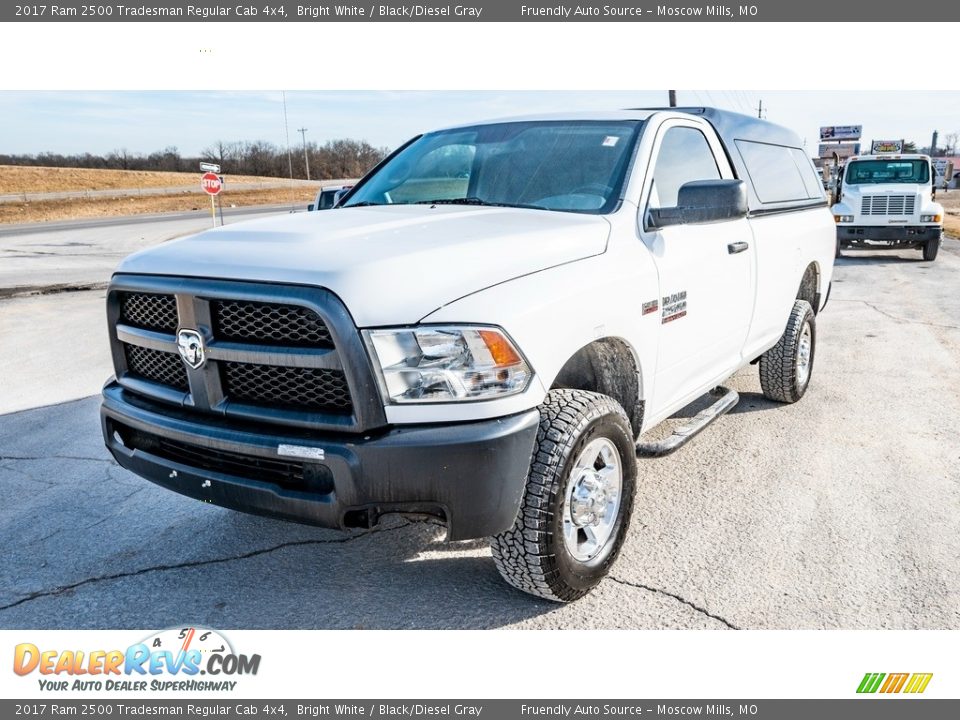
(470,474)
(893,235)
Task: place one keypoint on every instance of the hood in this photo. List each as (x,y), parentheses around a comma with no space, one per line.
(886,189)
(389,265)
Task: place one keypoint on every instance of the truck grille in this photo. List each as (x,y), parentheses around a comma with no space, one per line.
(161,367)
(887,205)
(269,323)
(286,386)
(149,311)
(265,361)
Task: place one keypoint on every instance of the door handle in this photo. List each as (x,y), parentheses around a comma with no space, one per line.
(737,247)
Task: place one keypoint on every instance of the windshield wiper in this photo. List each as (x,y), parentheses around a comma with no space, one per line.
(461,201)
(365,203)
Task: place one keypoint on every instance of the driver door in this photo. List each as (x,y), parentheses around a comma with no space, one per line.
(706,270)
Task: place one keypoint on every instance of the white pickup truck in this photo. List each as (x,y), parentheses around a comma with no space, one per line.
(482,331)
(888,201)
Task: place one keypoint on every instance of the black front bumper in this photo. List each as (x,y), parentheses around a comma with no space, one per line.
(470,474)
(894,235)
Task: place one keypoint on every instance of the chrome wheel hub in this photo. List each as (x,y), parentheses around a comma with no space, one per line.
(592,499)
(804,348)
(588,502)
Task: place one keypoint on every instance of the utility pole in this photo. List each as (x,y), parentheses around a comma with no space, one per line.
(673,98)
(306,160)
(286,130)
(760,109)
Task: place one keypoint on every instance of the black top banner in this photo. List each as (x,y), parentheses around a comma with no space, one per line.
(858,11)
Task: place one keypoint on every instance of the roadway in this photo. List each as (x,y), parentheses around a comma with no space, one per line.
(842,511)
(44,257)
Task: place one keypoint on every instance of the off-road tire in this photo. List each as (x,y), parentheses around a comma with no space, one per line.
(532,555)
(930,250)
(778,365)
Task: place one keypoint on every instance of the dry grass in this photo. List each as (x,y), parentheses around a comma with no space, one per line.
(951,205)
(48,210)
(17,179)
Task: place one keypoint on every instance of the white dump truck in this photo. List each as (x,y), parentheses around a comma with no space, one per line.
(888,201)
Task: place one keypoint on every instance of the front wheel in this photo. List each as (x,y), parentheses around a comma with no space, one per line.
(930,249)
(577,502)
(785,368)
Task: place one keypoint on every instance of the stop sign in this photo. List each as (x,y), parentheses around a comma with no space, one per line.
(211,183)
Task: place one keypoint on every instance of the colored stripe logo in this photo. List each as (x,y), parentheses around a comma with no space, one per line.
(884,683)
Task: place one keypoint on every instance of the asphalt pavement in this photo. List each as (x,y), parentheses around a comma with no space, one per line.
(841,511)
(56,256)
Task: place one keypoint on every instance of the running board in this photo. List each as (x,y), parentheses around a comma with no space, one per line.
(726,400)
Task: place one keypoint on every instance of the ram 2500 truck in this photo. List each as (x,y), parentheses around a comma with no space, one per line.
(482,331)
(887,201)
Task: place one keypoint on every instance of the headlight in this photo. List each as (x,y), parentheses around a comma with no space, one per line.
(443,364)
(931,218)
(843,218)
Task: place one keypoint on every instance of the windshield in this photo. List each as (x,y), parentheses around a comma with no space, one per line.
(865,172)
(575,166)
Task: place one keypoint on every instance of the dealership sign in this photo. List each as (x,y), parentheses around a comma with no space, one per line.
(886,146)
(841,132)
(841,150)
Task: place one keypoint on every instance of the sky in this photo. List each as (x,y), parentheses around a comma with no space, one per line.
(141,122)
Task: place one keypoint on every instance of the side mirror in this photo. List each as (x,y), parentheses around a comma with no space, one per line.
(310,207)
(838,187)
(704,201)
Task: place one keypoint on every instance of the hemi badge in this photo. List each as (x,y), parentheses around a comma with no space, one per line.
(300,451)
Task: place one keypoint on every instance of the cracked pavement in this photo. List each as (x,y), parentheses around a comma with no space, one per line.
(842,511)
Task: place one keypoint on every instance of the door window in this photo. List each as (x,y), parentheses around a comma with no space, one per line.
(684,156)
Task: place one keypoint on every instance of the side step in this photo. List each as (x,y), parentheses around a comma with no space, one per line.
(726,400)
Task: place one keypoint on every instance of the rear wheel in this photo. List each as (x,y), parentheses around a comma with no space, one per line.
(785,368)
(577,502)
(930,249)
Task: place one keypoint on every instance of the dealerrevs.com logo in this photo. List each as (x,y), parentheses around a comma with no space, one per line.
(178,659)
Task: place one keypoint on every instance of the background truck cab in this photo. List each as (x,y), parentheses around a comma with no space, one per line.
(887,201)
(328,197)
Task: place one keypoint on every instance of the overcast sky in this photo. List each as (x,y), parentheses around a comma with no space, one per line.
(98,122)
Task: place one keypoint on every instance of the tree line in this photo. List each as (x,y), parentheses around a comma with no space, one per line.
(344,158)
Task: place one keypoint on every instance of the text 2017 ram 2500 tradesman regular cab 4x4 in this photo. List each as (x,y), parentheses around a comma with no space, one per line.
(482,331)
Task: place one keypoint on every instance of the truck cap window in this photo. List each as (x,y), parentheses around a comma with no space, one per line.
(573,166)
(777,172)
(864,172)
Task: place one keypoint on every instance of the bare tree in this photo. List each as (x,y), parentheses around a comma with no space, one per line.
(950,141)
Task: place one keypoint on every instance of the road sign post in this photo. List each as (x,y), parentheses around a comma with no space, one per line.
(212,184)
